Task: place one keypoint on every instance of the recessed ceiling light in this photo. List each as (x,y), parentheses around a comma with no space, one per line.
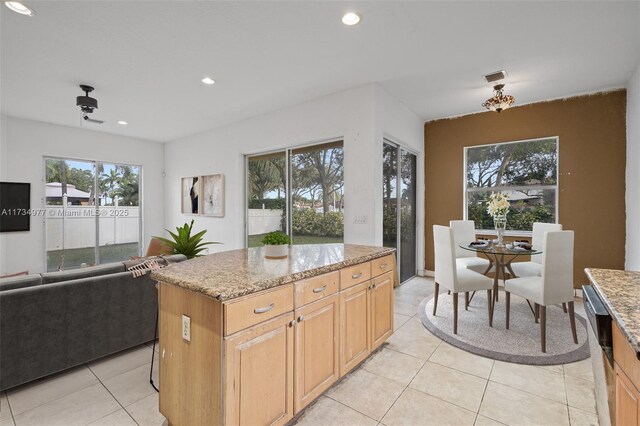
(18,7)
(124,123)
(350,18)
(208,80)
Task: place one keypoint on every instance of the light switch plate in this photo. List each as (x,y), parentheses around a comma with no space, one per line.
(361,220)
(186,328)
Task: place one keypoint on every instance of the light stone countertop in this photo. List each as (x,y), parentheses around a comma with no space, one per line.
(231,274)
(620,292)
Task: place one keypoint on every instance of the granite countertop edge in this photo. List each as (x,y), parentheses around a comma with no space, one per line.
(632,337)
(267,283)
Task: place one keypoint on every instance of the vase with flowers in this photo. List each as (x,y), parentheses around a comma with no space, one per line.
(498,208)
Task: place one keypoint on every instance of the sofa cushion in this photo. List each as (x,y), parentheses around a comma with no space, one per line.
(162,260)
(21,281)
(75,274)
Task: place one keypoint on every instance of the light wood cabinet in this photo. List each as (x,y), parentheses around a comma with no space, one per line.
(355,336)
(262,358)
(627,401)
(381,309)
(259,374)
(627,380)
(317,343)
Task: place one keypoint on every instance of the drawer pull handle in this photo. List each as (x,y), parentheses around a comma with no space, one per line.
(301,318)
(265,309)
(320,289)
(356,276)
(384,266)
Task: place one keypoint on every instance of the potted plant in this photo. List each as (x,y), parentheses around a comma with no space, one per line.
(184,243)
(276,245)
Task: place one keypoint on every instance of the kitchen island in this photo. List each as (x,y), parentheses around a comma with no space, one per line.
(620,294)
(246,340)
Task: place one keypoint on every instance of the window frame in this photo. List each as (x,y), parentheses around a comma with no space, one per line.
(141,248)
(466,190)
(288,152)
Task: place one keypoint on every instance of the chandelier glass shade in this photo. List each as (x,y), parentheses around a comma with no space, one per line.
(499,101)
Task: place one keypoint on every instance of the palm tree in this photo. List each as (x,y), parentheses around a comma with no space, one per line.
(110,181)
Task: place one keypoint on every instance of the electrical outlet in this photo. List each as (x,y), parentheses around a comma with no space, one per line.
(186,328)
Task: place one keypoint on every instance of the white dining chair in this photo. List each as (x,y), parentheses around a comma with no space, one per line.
(456,279)
(554,286)
(533,268)
(464,232)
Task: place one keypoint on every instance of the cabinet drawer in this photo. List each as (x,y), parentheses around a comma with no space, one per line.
(355,274)
(312,289)
(382,265)
(257,308)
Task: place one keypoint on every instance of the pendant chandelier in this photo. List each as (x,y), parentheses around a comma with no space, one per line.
(499,101)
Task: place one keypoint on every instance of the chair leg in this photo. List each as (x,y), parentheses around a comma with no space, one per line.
(488,267)
(536,312)
(435,299)
(455,313)
(564,307)
(572,318)
(507,306)
(490,307)
(543,327)
(466,300)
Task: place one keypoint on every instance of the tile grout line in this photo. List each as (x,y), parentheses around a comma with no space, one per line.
(113,396)
(351,408)
(13,418)
(407,385)
(46,378)
(484,392)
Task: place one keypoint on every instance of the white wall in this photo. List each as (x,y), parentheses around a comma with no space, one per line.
(23,145)
(359,116)
(632,261)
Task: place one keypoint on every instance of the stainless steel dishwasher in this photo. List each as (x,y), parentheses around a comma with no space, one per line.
(601,347)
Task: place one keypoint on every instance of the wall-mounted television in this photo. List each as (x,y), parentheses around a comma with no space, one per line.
(15,206)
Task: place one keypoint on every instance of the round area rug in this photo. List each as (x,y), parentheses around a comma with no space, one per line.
(519,344)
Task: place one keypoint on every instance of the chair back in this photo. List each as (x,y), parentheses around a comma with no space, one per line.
(157,248)
(445,257)
(537,240)
(464,231)
(557,267)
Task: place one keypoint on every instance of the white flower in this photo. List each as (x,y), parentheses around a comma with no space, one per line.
(498,204)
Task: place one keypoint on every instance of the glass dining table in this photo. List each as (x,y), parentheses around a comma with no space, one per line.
(500,258)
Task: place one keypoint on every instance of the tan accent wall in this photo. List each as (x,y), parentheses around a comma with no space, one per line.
(591,178)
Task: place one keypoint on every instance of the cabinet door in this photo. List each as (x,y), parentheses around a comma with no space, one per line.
(355,336)
(259,374)
(317,353)
(627,401)
(381,301)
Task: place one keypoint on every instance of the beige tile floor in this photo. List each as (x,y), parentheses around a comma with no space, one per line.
(415,380)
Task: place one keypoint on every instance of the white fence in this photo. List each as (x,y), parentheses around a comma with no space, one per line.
(75,226)
(262,221)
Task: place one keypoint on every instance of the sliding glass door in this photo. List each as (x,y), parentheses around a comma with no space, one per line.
(297,191)
(267,196)
(399,206)
(92,213)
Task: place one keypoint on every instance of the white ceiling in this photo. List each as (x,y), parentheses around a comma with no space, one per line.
(146,58)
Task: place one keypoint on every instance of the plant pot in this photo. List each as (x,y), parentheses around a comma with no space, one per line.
(279,251)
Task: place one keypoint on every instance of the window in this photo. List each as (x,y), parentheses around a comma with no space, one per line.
(92,212)
(298,191)
(525,171)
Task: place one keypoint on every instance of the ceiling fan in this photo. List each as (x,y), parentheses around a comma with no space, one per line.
(87,104)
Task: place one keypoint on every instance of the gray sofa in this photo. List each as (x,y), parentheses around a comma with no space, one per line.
(57,320)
